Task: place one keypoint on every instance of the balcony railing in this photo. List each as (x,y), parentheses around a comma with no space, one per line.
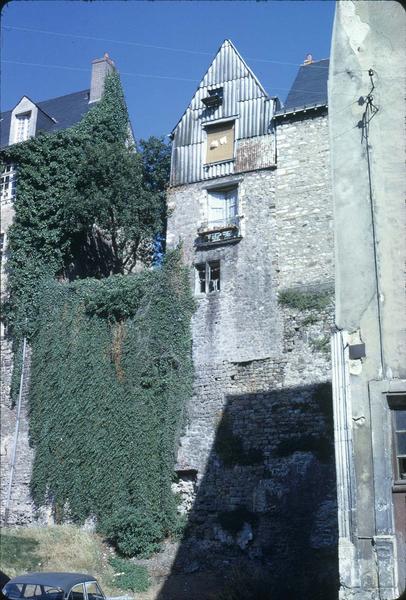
(219,232)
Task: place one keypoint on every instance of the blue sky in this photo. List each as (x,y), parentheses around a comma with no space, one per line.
(162,49)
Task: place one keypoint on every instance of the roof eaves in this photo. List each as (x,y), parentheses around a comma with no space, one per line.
(298,109)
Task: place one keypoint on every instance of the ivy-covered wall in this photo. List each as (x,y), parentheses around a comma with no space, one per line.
(111,371)
(85,203)
(110,343)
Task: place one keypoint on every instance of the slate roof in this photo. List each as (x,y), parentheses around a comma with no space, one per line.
(54,115)
(309,88)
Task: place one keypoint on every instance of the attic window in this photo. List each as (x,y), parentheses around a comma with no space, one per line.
(215,98)
(22,127)
(220,142)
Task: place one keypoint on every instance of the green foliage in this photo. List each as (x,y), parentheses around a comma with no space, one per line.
(309,320)
(129,576)
(321,344)
(179,527)
(233,520)
(85,204)
(302,300)
(20,553)
(111,370)
(133,531)
(230,447)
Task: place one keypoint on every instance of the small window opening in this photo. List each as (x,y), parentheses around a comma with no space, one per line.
(220,142)
(201,279)
(214,276)
(214,99)
(208,277)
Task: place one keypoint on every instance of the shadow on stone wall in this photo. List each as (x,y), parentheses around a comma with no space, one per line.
(263,524)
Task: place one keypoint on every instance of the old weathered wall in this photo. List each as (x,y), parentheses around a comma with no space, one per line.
(19,502)
(259,426)
(15,450)
(367,117)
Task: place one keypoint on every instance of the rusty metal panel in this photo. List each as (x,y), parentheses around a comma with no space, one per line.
(255,153)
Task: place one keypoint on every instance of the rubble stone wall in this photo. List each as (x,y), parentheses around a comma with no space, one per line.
(262,370)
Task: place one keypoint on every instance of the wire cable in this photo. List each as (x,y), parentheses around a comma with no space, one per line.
(141,45)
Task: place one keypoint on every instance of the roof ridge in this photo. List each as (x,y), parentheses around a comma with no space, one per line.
(64,96)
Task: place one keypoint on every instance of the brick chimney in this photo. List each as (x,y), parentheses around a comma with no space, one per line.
(100,68)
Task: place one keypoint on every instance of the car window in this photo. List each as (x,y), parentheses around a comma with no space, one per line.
(30,591)
(13,590)
(93,591)
(77,592)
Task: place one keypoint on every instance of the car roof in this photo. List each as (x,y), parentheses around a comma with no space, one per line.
(60,580)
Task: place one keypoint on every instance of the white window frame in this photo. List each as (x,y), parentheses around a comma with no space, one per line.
(207,268)
(8,184)
(222,207)
(22,126)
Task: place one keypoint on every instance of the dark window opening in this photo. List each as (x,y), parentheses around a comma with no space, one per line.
(201,279)
(214,276)
(214,99)
(207,277)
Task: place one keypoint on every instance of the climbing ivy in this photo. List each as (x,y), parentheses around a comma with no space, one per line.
(111,371)
(111,361)
(84,204)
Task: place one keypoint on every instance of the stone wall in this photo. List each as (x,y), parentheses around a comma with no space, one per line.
(259,433)
(21,507)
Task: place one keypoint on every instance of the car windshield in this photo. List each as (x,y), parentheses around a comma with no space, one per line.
(31,591)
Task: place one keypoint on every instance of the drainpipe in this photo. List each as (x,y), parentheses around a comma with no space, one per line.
(13,458)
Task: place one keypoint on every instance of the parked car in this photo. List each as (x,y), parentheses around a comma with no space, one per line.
(53,586)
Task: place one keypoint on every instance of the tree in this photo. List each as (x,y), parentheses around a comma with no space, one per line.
(110,195)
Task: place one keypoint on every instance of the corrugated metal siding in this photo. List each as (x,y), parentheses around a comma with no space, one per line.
(243,98)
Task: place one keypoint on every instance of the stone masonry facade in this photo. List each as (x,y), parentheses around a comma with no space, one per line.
(259,431)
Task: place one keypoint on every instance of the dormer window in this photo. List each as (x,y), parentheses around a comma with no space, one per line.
(220,142)
(22,129)
(214,99)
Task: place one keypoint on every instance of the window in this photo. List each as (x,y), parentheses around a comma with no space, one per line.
(214,99)
(398,405)
(77,592)
(8,184)
(93,591)
(222,207)
(25,591)
(399,419)
(220,142)
(208,277)
(22,127)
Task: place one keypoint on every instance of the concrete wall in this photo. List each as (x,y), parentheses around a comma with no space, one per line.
(367,110)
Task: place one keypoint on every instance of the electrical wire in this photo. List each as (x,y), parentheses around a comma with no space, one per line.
(126,73)
(153,46)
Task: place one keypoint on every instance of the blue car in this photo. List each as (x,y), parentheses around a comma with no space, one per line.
(53,586)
